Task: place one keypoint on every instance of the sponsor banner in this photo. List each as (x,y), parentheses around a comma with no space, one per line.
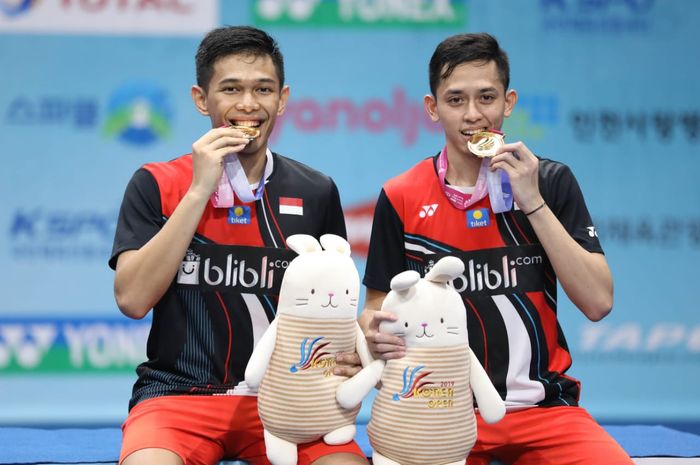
(658,342)
(254,270)
(360,13)
(55,346)
(495,271)
(106,17)
(599,17)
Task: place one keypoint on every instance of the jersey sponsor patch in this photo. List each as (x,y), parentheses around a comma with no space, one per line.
(239,214)
(501,270)
(239,269)
(291,206)
(478,218)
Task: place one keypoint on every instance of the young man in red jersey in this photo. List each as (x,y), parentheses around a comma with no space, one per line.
(512,258)
(210,265)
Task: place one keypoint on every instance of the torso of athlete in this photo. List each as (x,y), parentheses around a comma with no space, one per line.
(225,293)
(509,286)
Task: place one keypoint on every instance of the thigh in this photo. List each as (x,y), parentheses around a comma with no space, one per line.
(562,436)
(167,428)
(320,453)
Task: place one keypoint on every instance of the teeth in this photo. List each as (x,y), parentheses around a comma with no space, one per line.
(250,124)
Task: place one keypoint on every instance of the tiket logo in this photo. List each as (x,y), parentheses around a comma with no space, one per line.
(189,269)
(311,356)
(237,273)
(428,210)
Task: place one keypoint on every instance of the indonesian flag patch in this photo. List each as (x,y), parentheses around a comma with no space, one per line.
(291,206)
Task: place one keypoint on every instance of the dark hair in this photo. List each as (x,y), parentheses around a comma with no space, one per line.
(462,48)
(231,40)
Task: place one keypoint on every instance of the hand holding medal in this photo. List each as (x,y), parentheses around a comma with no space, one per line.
(234,179)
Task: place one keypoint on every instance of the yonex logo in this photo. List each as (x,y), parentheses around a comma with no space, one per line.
(428,210)
(591,231)
(298,10)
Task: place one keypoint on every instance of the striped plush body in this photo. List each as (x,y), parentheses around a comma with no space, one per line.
(428,417)
(292,365)
(424,412)
(296,400)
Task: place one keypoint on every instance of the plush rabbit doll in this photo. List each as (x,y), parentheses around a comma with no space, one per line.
(293,362)
(424,412)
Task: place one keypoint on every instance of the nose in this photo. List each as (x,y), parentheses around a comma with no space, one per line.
(247,102)
(331,294)
(472,112)
(424,324)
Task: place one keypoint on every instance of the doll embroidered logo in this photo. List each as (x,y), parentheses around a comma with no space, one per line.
(417,386)
(311,356)
(413,384)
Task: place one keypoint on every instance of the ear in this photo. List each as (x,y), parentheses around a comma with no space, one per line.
(511,99)
(335,243)
(303,243)
(199,97)
(404,280)
(430,105)
(284,97)
(446,269)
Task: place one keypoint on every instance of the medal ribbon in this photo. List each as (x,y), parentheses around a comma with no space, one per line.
(495,183)
(234,179)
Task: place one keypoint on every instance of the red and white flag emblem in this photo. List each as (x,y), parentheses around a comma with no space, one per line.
(291,206)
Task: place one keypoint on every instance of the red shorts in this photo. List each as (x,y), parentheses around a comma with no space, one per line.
(207,429)
(546,436)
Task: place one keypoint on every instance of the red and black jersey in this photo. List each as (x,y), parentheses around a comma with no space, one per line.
(225,294)
(509,286)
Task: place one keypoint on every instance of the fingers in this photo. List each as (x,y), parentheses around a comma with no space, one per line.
(347,364)
(379,316)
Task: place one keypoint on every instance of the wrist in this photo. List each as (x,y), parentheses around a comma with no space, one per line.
(539,207)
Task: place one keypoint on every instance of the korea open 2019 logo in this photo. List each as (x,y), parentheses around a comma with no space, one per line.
(138,113)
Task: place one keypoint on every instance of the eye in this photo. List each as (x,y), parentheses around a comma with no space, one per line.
(442,320)
(313,291)
(488,98)
(406,324)
(454,100)
(264,90)
(347,291)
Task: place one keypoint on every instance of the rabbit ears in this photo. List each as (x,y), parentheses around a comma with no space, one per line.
(303,244)
(446,269)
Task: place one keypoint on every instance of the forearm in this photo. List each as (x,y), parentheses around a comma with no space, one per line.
(143,276)
(584,276)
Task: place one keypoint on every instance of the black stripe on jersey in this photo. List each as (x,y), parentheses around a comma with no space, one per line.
(483,311)
(268,224)
(554,385)
(513,230)
(228,310)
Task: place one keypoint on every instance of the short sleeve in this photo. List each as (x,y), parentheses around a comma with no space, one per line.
(140,216)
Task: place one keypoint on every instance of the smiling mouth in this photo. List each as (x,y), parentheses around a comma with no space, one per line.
(330,303)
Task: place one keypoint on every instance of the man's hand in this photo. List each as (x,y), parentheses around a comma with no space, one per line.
(208,154)
(347,364)
(522,167)
(384,346)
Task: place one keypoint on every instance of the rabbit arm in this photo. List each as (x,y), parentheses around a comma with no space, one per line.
(260,358)
(491,406)
(362,348)
(351,391)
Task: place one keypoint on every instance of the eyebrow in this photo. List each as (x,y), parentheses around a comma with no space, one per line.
(459,91)
(238,81)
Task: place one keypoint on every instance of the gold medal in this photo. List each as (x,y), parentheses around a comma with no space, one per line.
(250,132)
(484,144)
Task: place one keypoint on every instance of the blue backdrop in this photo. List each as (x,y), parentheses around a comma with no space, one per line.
(609,87)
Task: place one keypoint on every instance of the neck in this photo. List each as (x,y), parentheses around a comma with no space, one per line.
(462,168)
(254,165)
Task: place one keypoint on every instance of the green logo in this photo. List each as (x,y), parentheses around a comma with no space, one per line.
(362,13)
